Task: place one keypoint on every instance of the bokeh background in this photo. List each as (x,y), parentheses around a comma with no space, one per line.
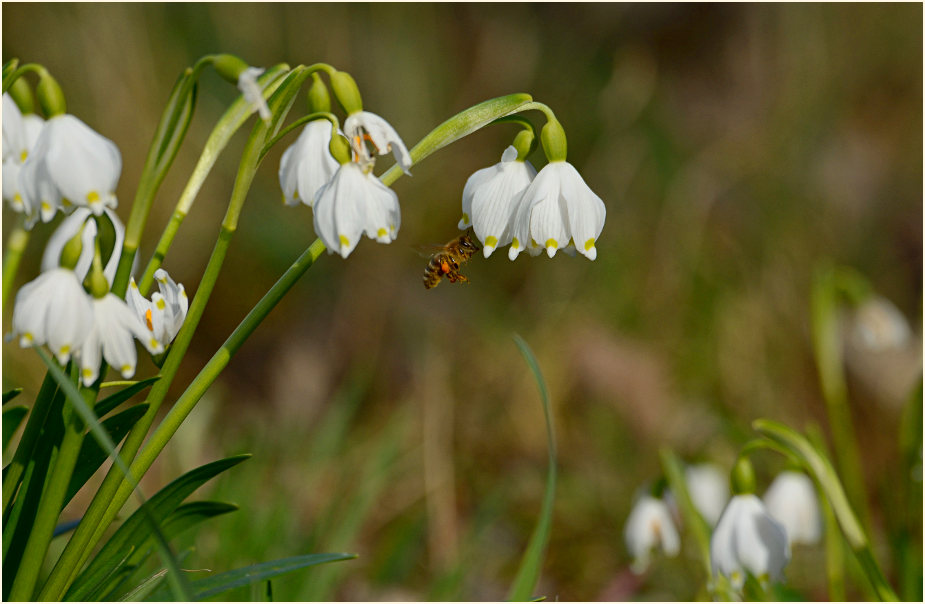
(735,146)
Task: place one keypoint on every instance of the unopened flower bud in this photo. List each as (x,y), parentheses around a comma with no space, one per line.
(340,149)
(346,92)
(523,142)
(50,95)
(22,94)
(229,67)
(319,100)
(743,477)
(554,142)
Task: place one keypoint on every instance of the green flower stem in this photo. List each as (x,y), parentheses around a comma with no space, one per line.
(834,544)
(825,476)
(674,474)
(462,124)
(829,363)
(30,435)
(49,507)
(15,246)
(96,518)
(21,71)
(235,117)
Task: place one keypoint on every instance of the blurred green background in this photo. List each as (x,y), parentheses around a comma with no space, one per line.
(735,147)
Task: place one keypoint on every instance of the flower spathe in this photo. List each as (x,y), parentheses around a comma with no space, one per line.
(20,133)
(53,309)
(747,540)
(252,91)
(112,331)
(791,500)
(355,202)
(164,313)
(649,527)
(490,199)
(71,163)
(307,165)
(363,126)
(557,209)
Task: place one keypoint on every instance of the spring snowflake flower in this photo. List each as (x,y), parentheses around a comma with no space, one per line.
(19,135)
(363,126)
(556,210)
(164,313)
(53,309)
(708,487)
(791,500)
(649,526)
(880,326)
(490,199)
(748,540)
(79,219)
(355,202)
(111,334)
(252,92)
(71,164)
(307,165)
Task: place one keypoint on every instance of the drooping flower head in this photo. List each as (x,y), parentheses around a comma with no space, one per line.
(490,199)
(791,500)
(71,164)
(82,221)
(20,133)
(747,540)
(307,165)
(253,92)
(708,487)
(650,527)
(363,127)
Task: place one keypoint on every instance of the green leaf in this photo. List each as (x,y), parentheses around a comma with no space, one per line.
(222,582)
(11,394)
(531,564)
(92,455)
(114,400)
(12,417)
(136,529)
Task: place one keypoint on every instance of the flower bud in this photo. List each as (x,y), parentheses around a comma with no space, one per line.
(340,149)
(96,282)
(50,95)
(319,100)
(70,253)
(743,477)
(346,92)
(554,142)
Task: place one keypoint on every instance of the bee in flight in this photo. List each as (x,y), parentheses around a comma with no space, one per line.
(447,259)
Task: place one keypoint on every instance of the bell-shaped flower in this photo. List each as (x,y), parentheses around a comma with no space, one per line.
(79,219)
(113,328)
(19,135)
(649,527)
(490,199)
(708,487)
(791,500)
(53,309)
(557,209)
(164,313)
(355,202)
(307,165)
(747,540)
(253,92)
(880,326)
(71,164)
(362,127)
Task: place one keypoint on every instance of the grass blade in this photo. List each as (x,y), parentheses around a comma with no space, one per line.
(222,582)
(531,564)
(12,417)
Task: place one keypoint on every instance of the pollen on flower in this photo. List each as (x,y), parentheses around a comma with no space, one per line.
(148,319)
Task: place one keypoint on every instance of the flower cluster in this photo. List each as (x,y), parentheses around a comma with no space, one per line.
(751,536)
(62,164)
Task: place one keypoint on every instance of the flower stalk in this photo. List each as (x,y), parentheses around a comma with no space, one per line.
(15,246)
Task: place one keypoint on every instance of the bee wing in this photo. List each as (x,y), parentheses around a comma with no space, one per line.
(427,250)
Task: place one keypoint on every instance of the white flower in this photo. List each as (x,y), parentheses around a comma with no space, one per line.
(748,540)
(54,309)
(70,226)
(307,165)
(71,164)
(19,135)
(791,500)
(252,92)
(557,209)
(490,199)
(352,203)
(163,315)
(114,326)
(362,126)
(708,487)
(649,526)
(880,326)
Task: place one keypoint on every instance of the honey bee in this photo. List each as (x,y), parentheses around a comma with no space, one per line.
(447,259)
